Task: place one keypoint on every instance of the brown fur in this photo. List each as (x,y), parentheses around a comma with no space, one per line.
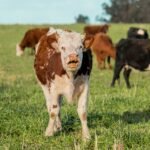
(53,115)
(102,47)
(48,57)
(93,29)
(84,117)
(54,106)
(32,37)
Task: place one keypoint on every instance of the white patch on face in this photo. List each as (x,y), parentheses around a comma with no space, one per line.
(140,32)
(19,51)
(70,43)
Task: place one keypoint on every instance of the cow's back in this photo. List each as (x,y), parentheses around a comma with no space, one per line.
(93,29)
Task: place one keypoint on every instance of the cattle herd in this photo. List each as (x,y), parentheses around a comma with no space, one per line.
(63,63)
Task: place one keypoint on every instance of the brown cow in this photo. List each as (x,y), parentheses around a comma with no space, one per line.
(102,46)
(30,39)
(62,66)
(93,29)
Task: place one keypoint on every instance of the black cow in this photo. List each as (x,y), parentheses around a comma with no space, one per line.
(133,53)
(137,33)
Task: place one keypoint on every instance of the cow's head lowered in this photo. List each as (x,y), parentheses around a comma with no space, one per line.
(70,46)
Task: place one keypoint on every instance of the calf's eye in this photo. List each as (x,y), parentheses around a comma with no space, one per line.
(80,47)
(63,48)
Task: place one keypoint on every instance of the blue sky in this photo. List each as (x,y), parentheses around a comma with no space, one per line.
(48,11)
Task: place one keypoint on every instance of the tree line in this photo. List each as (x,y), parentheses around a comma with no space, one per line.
(126,11)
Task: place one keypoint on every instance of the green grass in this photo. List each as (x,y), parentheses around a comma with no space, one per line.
(115,115)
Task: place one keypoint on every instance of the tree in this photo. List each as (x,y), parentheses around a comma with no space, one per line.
(82,19)
(127,11)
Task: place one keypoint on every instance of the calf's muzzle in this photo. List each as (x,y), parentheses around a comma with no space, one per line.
(73,61)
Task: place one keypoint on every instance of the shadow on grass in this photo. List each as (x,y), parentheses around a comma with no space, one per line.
(95,119)
(130,117)
(136,117)
(106,119)
(70,123)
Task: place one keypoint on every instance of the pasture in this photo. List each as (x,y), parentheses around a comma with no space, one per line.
(116,116)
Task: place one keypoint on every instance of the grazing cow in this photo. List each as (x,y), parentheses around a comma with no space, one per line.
(93,29)
(30,39)
(131,53)
(102,46)
(137,33)
(62,66)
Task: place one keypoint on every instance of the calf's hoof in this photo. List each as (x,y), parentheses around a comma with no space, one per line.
(49,133)
(86,136)
(57,128)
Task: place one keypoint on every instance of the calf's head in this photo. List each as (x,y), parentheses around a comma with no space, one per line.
(70,46)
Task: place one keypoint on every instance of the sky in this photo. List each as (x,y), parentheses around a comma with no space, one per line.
(48,11)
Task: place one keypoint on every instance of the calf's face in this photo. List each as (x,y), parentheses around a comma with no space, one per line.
(71,47)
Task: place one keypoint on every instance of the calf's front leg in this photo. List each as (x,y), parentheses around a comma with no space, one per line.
(54,113)
(82,111)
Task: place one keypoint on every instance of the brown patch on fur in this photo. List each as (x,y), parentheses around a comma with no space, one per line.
(53,115)
(54,106)
(32,37)
(84,117)
(48,57)
(93,29)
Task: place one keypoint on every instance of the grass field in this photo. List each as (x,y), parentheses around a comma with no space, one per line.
(115,115)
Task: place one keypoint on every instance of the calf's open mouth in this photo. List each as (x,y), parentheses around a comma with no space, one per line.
(73,64)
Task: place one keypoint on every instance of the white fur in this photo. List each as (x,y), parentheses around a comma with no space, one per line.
(71,41)
(73,90)
(19,51)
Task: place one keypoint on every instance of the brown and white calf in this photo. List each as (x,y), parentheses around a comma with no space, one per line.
(62,66)
(30,39)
